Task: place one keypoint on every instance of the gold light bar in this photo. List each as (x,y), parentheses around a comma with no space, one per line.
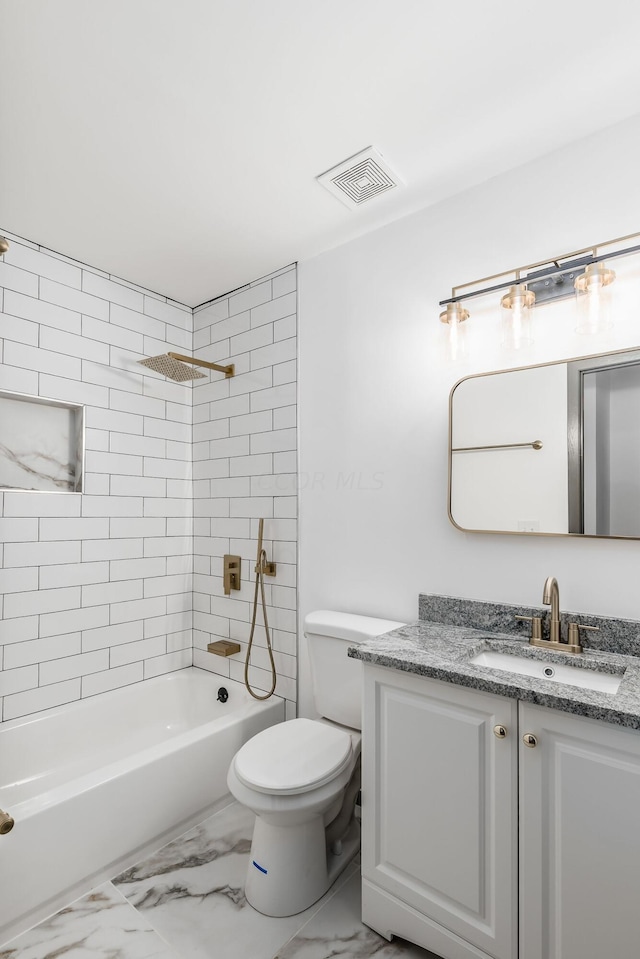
(584,257)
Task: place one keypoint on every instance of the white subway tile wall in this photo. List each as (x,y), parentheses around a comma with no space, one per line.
(244,468)
(96,588)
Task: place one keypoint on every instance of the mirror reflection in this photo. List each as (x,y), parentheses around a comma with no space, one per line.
(548,449)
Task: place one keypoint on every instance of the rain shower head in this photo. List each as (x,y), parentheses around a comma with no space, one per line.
(174,369)
(174,366)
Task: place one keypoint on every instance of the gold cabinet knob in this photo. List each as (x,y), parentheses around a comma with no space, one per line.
(500,732)
(530,740)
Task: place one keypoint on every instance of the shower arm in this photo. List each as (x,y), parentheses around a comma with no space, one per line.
(227,370)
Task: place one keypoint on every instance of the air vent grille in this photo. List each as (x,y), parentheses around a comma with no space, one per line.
(360,178)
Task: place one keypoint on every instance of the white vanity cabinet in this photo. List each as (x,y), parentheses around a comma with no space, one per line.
(579,838)
(445,863)
(439,815)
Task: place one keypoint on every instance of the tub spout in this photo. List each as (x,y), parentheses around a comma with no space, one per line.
(7,822)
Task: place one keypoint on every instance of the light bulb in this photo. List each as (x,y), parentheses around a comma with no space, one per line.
(594,299)
(516,317)
(454,316)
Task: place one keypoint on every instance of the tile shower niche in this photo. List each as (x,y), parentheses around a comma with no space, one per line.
(41,444)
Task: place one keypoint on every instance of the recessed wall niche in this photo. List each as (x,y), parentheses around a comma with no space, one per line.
(41,444)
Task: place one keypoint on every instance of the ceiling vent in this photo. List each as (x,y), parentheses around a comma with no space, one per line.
(360,178)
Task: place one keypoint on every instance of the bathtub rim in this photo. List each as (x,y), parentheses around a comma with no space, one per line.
(75,704)
(25,808)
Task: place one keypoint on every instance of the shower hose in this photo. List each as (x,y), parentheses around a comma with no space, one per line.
(262,559)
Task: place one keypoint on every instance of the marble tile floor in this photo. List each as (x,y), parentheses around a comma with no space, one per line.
(186,901)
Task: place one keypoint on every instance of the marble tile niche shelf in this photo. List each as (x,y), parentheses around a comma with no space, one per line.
(41,444)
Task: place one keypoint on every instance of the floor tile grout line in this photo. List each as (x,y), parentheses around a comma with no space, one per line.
(349,871)
(143,917)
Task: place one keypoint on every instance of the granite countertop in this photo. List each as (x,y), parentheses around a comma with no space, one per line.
(443,652)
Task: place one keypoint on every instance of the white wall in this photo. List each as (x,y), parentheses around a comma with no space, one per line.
(245,465)
(374,393)
(96,587)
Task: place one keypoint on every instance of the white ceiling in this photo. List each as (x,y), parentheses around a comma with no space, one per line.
(175,143)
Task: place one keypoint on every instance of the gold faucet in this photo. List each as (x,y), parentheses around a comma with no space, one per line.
(551,597)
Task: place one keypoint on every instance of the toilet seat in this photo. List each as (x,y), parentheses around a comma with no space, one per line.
(293,757)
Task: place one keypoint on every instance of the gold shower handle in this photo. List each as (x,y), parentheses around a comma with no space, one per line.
(231,573)
(260,535)
(262,566)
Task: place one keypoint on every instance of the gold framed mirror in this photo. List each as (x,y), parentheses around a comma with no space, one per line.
(551,449)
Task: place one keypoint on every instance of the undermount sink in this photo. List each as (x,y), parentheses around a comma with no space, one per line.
(577,675)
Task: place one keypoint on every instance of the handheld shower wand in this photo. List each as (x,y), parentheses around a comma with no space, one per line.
(263,568)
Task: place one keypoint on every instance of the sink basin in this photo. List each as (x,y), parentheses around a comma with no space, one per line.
(595,679)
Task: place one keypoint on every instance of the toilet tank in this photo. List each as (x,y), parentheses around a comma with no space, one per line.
(336,679)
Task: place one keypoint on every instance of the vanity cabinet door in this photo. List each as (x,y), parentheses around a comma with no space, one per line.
(439,815)
(579,838)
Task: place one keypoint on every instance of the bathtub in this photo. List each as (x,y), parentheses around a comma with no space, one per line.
(94,784)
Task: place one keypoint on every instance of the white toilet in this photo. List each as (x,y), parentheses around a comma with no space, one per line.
(301,778)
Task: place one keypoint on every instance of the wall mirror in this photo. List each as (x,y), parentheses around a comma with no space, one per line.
(551,449)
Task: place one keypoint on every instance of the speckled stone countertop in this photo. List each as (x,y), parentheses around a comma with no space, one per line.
(442,651)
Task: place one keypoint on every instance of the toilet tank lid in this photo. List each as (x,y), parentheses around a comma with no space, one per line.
(347,626)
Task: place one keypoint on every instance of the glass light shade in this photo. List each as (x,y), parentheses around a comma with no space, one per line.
(517,331)
(594,299)
(454,316)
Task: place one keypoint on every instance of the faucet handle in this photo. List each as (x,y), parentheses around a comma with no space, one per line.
(573,639)
(536,625)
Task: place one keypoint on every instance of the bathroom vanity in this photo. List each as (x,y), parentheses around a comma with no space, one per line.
(500,810)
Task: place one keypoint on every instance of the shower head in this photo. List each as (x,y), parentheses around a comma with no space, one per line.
(4,245)
(174,366)
(174,369)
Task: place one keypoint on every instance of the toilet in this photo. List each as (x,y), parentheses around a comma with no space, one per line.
(301,778)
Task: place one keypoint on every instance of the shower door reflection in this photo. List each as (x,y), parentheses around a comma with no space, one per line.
(605,497)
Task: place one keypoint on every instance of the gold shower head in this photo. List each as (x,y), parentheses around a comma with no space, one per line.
(4,245)
(174,366)
(174,369)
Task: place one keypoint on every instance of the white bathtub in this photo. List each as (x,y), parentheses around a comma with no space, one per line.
(93,784)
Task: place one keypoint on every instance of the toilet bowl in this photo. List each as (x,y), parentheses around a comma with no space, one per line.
(301,778)
(294,800)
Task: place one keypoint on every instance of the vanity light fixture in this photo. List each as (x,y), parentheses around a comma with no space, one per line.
(516,317)
(582,273)
(454,316)
(593,299)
